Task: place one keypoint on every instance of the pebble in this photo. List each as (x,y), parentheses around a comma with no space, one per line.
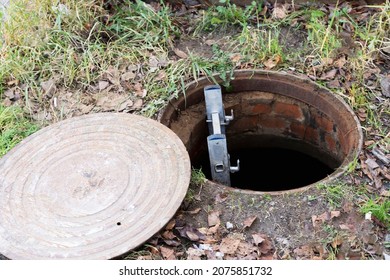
(219,255)
(205,247)
(229,225)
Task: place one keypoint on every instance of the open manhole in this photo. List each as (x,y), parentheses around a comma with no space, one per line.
(287,132)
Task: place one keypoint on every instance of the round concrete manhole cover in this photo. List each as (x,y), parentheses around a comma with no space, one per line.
(91,187)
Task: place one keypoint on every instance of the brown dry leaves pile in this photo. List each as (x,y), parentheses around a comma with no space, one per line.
(213,242)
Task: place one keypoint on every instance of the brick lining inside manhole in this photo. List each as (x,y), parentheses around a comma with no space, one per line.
(289,133)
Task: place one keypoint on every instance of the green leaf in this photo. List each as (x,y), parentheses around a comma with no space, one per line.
(215,20)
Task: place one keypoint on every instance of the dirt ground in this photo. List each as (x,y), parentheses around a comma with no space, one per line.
(299,225)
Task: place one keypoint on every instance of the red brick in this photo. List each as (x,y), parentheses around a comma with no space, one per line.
(331,143)
(243,124)
(343,142)
(311,135)
(324,122)
(298,129)
(257,97)
(261,109)
(275,123)
(288,110)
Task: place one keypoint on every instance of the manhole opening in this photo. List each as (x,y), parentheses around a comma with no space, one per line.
(266,166)
(288,133)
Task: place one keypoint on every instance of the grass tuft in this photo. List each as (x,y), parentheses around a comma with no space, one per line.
(14,127)
(197,177)
(379,208)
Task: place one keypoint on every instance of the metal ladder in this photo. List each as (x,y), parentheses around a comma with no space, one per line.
(216,141)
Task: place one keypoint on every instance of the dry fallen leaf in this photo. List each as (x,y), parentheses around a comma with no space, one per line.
(385,193)
(333,84)
(170,225)
(127,76)
(167,253)
(249,221)
(161,75)
(263,12)
(194,254)
(340,62)
(257,238)
(329,75)
(113,102)
(139,90)
(173,242)
(13,82)
(153,64)
(180,53)
(190,233)
(210,42)
(138,104)
(85,109)
(369,143)
(235,57)
(246,251)
(194,212)
(334,214)
(336,242)
(112,74)
(304,251)
(213,218)
(153,250)
(347,227)
(103,85)
(272,62)
(362,114)
(385,173)
(168,234)
(371,163)
(221,197)
(229,245)
(265,246)
(145,258)
(280,11)
(125,105)
(213,230)
(364,168)
(317,220)
(10,93)
(192,236)
(327,61)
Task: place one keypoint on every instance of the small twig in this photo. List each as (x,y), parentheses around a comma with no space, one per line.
(379,154)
